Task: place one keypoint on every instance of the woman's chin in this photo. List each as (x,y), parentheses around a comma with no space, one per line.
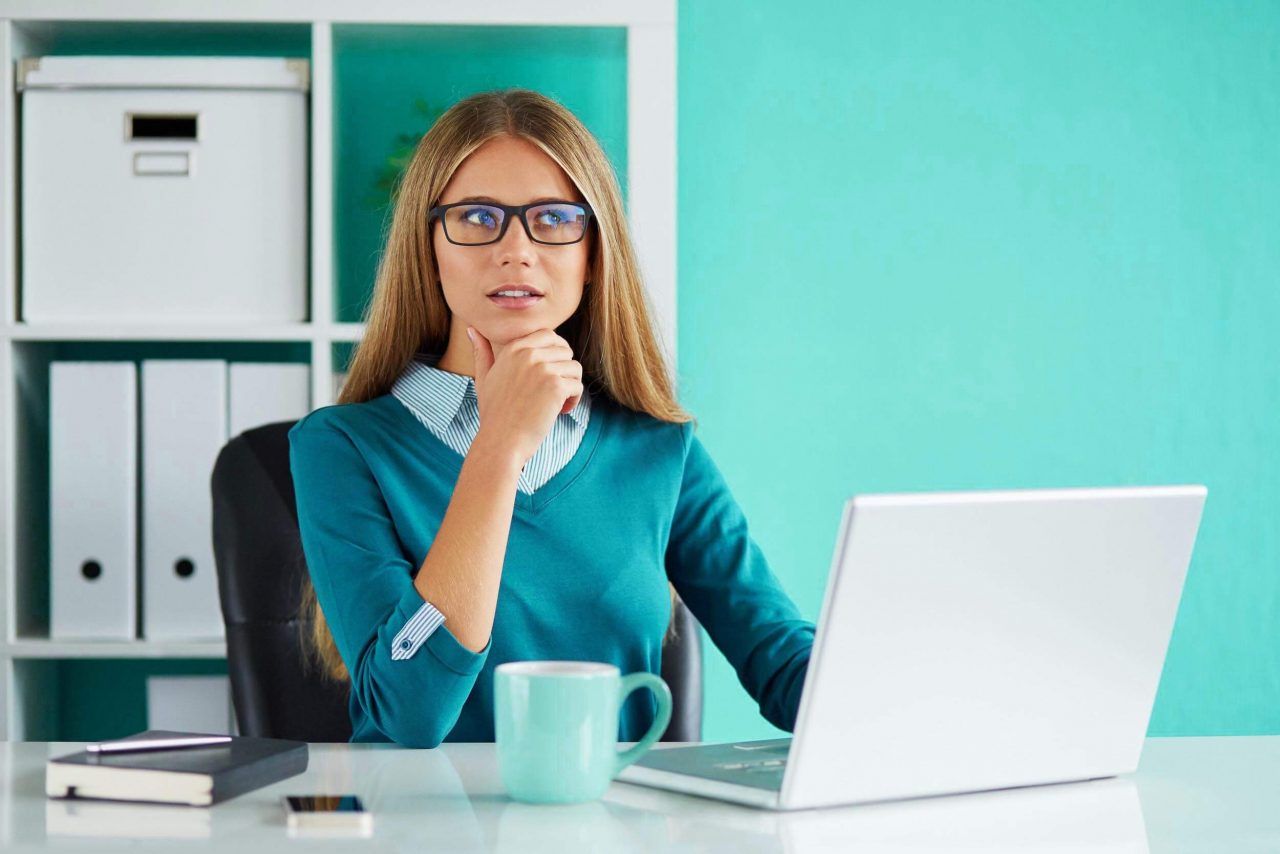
(505,330)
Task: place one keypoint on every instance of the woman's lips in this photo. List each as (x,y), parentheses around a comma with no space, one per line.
(515,302)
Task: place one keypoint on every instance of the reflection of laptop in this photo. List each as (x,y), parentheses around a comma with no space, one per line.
(970,641)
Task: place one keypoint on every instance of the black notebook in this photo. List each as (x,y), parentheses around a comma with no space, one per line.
(199,776)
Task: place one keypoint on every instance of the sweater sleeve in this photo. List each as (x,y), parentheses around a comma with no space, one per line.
(364,584)
(722,575)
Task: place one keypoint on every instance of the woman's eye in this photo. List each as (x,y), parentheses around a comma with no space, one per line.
(479,216)
(550,218)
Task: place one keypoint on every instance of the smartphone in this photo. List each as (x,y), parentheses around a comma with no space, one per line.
(327,815)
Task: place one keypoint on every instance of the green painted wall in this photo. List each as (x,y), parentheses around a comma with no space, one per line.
(936,245)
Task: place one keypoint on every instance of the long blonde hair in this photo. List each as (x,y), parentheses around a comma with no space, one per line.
(611,333)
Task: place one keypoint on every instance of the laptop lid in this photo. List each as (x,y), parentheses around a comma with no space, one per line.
(985,640)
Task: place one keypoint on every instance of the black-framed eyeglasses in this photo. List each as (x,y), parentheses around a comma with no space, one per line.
(479,223)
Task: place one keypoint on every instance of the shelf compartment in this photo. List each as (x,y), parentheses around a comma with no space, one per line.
(29,583)
(89,699)
(164,38)
(392,82)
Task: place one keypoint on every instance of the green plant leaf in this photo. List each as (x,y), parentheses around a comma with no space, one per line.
(387,182)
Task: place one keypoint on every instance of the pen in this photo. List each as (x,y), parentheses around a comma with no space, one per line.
(139,744)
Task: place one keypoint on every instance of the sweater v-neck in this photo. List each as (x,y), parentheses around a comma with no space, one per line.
(530,503)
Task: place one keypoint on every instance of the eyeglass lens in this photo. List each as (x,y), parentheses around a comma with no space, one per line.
(549,223)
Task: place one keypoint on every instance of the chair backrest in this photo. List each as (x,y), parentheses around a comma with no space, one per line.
(261,567)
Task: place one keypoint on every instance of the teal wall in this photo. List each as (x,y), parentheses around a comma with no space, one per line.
(938,245)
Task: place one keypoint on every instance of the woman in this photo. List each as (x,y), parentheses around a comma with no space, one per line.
(506,475)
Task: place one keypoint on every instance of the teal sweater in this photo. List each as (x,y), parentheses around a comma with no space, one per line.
(584,577)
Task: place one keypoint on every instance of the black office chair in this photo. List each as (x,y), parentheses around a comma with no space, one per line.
(260,566)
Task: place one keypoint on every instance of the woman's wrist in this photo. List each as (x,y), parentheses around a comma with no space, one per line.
(495,454)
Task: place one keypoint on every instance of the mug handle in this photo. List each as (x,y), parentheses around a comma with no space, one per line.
(630,683)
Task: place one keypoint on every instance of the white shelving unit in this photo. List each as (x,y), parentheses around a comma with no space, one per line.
(27,28)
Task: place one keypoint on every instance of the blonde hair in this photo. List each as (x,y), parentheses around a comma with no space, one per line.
(611,333)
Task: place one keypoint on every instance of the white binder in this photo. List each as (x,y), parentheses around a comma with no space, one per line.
(93,465)
(184,425)
(266,392)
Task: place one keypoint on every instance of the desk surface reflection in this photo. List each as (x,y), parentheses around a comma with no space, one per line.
(1190,794)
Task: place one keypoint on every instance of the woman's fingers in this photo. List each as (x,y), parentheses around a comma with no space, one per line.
(576,390)
(481,353)
(554,353)
(568,368)
(538,339)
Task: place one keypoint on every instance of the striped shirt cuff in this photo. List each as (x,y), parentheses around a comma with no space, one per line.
(415,631)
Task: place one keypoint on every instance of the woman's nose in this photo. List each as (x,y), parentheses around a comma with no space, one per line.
(516,240)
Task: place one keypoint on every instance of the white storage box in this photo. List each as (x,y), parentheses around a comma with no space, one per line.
(163,189)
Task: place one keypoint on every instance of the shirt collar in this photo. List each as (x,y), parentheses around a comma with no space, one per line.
(437,395)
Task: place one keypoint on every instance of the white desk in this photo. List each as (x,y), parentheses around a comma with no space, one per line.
(1193,794)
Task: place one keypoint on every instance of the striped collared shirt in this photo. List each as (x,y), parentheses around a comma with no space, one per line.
(447,405)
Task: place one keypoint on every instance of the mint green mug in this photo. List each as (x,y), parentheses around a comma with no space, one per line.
(556,727)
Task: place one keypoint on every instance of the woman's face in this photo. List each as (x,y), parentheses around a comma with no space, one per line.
(509,171)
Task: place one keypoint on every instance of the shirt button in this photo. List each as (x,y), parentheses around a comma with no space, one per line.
(404,644)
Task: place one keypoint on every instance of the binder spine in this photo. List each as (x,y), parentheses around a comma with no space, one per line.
(93,500)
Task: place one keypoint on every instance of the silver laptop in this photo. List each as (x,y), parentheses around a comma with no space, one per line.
(970,641)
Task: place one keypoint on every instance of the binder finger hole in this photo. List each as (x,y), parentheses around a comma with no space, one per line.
(184,568)
(91,569)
